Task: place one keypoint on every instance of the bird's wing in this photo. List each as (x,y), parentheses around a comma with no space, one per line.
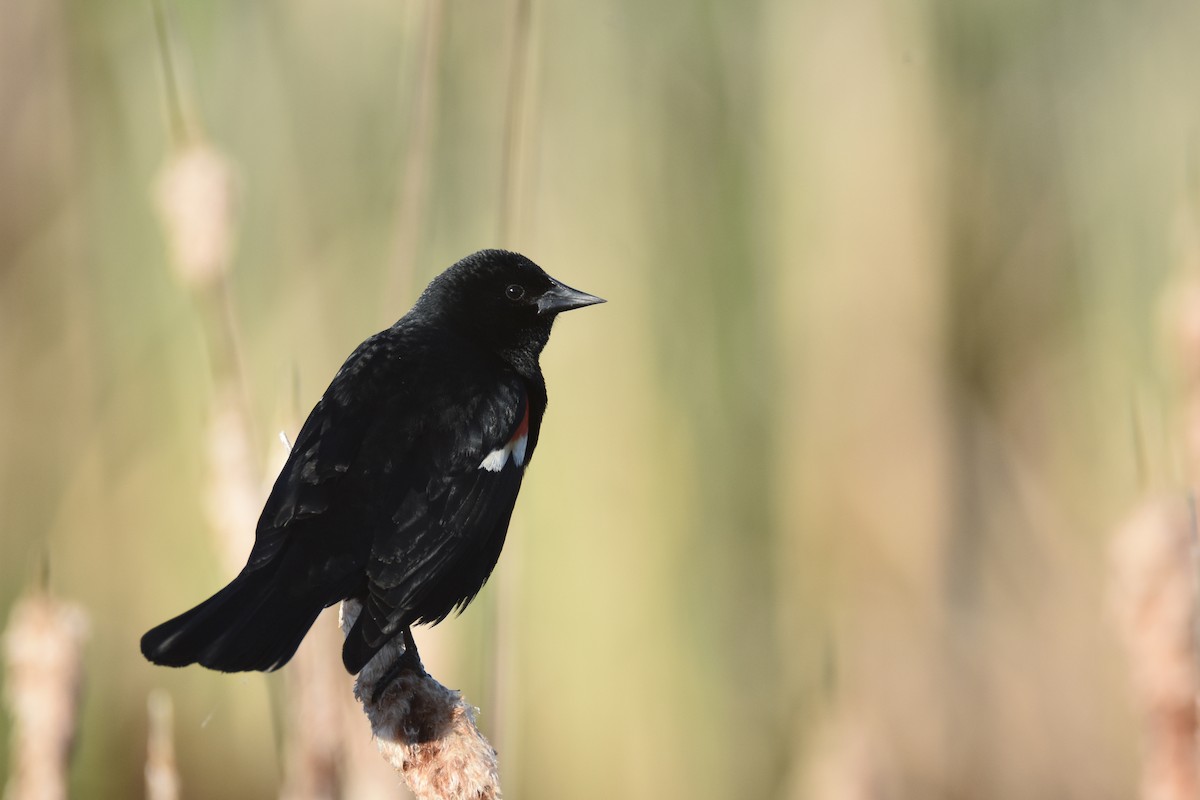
(330,441)
(451,518)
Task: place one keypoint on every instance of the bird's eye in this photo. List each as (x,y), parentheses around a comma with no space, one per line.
(514,292)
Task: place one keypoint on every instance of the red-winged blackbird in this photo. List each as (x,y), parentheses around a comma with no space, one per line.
(399,488)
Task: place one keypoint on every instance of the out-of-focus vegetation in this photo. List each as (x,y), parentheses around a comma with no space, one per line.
(824,494)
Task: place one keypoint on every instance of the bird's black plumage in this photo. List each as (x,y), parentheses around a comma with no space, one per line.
(399,488)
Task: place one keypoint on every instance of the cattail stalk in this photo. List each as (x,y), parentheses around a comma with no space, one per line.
(511,162)
(413,183)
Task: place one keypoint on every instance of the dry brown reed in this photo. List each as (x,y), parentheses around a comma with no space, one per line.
(424,730)
(315,682)
(43,650)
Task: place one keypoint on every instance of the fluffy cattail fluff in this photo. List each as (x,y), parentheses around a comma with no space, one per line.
(43,648)
(1154,597)
(424,730)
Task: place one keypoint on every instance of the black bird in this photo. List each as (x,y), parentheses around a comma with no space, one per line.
(400,485)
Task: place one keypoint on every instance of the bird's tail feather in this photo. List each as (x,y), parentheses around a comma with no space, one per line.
(254,623)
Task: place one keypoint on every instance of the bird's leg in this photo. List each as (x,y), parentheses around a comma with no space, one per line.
(409,661)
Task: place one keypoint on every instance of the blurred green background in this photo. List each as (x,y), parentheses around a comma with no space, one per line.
(824,491)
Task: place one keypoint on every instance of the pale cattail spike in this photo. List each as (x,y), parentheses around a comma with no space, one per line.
(1154,599)
(848,762)
(195,193)
(162,776)
(196,200)
(424,730)
(43,650)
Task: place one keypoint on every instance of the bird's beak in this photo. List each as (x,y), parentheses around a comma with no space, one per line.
(563,298)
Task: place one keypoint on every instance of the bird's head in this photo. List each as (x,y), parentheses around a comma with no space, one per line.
(503,300)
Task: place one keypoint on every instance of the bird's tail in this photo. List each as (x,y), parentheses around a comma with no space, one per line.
(254,623)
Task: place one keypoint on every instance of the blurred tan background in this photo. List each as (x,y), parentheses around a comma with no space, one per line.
(825,493)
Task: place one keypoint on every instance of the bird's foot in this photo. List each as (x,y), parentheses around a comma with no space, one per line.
(408,662)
